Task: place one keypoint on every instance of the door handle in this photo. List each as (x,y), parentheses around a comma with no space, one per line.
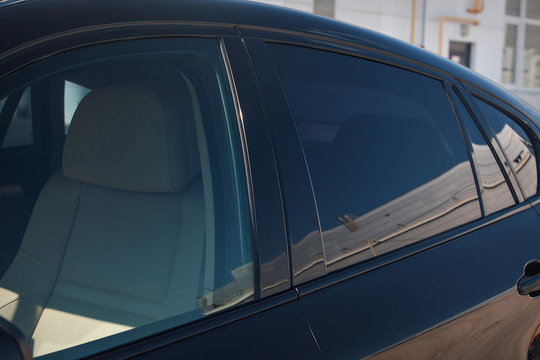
(529,282)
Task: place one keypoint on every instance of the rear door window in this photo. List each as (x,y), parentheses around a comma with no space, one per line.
(385,153)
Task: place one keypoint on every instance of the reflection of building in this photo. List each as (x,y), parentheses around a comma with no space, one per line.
(519,155)
(491,29)
(438,205)
(445,202)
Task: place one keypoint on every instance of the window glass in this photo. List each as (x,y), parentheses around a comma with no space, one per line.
(20,130)
(512,7)
(146,226)
(533,9)
(2,102)
(531,57)
(494,189)
(516,144)
(385,154)
(509,55)
(73,94)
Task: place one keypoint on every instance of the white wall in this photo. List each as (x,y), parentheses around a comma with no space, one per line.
(304,5)
(393,18)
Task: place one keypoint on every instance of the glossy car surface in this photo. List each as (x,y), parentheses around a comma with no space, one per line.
(202,179)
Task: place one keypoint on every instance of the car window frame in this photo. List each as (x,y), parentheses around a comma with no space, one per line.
(255,40)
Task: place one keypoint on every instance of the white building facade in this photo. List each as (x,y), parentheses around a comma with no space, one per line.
(499,39)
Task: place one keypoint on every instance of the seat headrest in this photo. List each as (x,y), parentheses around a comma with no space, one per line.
(133,138)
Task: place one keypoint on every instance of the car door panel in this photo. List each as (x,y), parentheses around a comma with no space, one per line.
(499,328)
(277,333)
(365,314)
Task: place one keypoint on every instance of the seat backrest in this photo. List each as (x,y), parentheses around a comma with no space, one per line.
(116,239)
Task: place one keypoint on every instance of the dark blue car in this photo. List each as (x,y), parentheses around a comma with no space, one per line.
(226,179)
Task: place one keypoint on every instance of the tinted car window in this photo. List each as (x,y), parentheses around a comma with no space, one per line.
(146,225)
(20,130)
(516,144)
(385,154)
(494,189)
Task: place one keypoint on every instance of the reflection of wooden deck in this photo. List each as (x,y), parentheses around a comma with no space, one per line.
(499,329)
(438,205)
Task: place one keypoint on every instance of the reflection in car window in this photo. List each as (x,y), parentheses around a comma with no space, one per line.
(385,154)
(146,225)
(516,144)
(20,130)
(495,192)
(73,94)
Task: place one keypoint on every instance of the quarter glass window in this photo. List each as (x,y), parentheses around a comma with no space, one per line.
(146,225)
(494,189)
(516,144)
(384,150)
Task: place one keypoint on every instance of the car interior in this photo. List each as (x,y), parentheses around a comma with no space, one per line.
(111,227)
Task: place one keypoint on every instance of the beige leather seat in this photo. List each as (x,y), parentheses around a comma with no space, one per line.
(116,238)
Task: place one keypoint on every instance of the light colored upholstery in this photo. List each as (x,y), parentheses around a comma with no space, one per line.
(116,240)
(117,143)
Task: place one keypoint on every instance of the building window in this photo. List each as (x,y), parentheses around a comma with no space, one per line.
(509,55)
(460,52)
(522,41)
(531,57)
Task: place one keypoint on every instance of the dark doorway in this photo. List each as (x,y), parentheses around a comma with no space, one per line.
(460,52)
